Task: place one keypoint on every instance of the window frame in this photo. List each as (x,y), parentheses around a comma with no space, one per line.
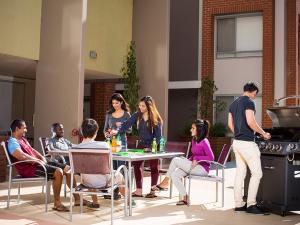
(235,54)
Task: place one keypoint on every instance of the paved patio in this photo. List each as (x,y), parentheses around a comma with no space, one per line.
(161,210)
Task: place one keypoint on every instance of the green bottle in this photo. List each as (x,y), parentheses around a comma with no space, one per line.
(154,146)
(162,144)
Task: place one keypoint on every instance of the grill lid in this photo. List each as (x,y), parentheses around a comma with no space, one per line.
(287,116)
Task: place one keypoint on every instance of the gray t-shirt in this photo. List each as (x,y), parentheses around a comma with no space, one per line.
(110,122)
(61,144)
(238,108)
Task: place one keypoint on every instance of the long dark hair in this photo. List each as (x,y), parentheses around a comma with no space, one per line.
(202,129)
(118,97)
(153,115)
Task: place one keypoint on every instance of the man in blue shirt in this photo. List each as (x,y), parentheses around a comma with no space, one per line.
(241,121)
(20,150)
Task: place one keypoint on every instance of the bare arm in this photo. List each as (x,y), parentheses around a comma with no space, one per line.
(230,122)
(20,155)
(39,156)
(253,124)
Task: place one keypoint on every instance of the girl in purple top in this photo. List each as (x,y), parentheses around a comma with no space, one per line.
(181,167)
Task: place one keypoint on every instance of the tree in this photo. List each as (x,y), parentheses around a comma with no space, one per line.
(131,80)
(206,93)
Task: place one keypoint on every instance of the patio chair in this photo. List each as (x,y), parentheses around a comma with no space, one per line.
(220,164)
(18,179)
(44,141)
(173,146)
(95,161)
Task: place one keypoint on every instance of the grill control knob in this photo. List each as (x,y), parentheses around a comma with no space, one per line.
(270,147)
(277,147)
(293,146)
(262,146)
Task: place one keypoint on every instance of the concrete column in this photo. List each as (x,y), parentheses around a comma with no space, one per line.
(280,49)
(60,71)
(151,33)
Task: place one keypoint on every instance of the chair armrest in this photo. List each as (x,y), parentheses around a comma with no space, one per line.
(211,162)
(122,167)
(60,156)
(28,161)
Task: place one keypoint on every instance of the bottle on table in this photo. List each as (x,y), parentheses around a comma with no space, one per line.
(113,144)
(118,143)
(162,145)
(154,146)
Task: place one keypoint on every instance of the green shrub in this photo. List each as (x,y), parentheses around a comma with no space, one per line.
(218,130)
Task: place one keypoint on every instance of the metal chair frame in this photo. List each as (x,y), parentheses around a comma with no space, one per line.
(220,164)
(19,180)
(44,144)
(100,191)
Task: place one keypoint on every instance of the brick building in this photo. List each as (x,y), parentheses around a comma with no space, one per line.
(251,40)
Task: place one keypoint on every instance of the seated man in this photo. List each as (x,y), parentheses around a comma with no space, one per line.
(89,128)
(58,141)
(20,150)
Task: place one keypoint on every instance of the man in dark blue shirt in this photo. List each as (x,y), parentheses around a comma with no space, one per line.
(242,123)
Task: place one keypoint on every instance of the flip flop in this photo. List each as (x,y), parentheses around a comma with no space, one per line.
(161,188)
(136,195)
(61,208)
(182,202)
(93,205)
(151,195)
(84,203)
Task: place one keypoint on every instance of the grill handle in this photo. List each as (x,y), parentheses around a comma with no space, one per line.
(269,167)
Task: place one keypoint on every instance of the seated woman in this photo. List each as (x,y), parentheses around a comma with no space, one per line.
(181,167)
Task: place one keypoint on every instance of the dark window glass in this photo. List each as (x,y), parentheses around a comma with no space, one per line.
(226,35)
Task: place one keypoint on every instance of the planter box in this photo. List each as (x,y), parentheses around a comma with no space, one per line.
(217,143)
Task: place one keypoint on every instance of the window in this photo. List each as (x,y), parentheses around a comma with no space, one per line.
(239,35)
(222,116)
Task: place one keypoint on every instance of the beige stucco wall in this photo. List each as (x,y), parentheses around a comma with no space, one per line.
(109,32)
(151,31)
(231,74)
(20,28)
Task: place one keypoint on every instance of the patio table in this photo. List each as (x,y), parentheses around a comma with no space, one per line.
(130,156)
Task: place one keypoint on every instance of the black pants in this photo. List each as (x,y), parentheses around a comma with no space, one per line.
(50,166)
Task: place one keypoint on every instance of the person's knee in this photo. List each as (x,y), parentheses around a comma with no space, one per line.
(58,173)
(174,175)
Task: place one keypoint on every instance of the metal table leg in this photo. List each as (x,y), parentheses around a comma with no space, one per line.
(130,188)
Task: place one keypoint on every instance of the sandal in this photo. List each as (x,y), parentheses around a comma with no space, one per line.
(161,188)
(93,205)
(151,195)
(136,195)
(61,208)
(84,203)
(182,202)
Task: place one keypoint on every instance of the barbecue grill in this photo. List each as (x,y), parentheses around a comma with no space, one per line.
(279,189)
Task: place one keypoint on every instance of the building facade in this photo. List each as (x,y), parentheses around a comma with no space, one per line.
(64,66)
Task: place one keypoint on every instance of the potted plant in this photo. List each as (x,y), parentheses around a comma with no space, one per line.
(131,84)
(218,131)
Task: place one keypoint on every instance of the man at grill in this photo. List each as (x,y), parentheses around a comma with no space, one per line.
(241,121)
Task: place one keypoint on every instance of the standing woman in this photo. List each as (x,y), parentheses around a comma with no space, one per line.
(117,114)
(180,166)
(149,125)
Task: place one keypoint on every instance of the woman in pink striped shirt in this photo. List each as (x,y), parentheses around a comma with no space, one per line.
(180,166)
